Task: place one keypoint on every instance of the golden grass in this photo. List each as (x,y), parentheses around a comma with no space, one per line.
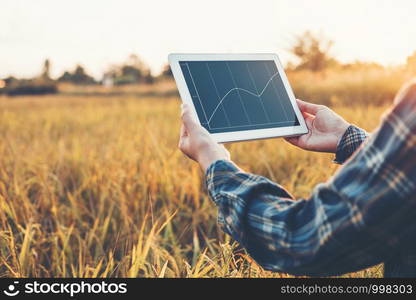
(95,186)
(355,86)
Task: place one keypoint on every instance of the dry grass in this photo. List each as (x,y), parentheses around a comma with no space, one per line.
(355,86)
(95,186)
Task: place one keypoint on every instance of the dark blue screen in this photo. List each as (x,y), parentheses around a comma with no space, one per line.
(238,95)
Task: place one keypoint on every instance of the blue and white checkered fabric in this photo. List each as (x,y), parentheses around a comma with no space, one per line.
(364,215)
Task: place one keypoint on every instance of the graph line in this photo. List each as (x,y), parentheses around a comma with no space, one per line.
(196,90)
(244,90)
(255,86)
(218,93)
(277,91)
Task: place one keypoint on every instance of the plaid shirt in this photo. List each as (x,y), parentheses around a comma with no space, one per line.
(364,215)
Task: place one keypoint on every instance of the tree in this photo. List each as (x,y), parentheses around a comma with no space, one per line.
(78,76)
(312,52)
(166,72)
(10,80)
(132,71)
(46,70)
(81,77)
(411,62)
(148,77)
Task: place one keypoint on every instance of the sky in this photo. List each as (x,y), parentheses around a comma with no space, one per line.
(98,33)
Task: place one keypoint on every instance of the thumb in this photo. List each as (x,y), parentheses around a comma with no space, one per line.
(310,108)
(189,121)
(292,140)
(308,119)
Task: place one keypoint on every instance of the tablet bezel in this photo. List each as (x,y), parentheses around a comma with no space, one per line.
(244,135)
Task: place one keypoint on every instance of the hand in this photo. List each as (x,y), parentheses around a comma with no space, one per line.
(326,128)
(196,142)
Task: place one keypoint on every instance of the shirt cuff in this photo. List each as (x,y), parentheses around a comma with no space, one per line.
(351,140)
(217,173)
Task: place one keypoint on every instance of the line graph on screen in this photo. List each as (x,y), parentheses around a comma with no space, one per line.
(238,95)
(243,90)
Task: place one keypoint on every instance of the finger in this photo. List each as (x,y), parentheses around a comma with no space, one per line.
(183,132)
(309,107)
(293,140)
(182,138)
(189,122)
(307,115)
(308,119)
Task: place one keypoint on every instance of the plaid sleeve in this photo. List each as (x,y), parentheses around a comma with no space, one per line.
(359,218)
(349,143)
(316,237)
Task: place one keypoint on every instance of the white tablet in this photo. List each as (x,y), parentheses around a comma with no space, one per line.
(238,97)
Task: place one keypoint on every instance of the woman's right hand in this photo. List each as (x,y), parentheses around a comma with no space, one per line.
(325,127)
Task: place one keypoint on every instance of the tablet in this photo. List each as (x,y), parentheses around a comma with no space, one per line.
(238,97)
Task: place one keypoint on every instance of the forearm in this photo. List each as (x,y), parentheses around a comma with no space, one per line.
(206,160)
(320,236)
(282,234)
(232,190)
(358,218)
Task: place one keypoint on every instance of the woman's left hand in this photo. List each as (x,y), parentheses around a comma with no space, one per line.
(196,142)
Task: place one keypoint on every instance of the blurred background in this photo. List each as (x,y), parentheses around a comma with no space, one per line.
(112,44)
(91,181)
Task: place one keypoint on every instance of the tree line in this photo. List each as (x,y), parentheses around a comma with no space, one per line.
(132,71)
(310,52)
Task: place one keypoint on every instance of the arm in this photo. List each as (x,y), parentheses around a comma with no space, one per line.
(353,221)
(319,236)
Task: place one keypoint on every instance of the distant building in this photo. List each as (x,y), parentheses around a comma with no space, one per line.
(108,81)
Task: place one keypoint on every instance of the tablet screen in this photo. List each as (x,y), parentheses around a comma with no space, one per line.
(238,95)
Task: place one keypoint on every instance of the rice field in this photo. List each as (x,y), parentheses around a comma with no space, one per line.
(94,186)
